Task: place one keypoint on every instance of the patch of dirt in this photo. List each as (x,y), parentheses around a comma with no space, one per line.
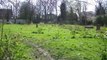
(38,52)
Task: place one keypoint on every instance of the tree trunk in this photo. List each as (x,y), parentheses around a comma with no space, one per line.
(45,15)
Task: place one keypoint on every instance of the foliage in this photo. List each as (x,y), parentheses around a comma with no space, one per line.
(99,20)
(105,20)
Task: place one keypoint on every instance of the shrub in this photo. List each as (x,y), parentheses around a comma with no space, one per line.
(99,21)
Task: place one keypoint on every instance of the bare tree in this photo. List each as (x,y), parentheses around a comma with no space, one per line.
(45,7)
(16,6)
(39,9)
(76,6)
(56,6)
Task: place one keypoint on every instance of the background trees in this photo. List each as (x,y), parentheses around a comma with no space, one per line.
(27,11)
(69,11)
(45,8)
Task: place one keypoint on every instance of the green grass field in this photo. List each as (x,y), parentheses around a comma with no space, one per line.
(63,42)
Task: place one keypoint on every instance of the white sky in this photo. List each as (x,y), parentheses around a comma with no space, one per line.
(91,6)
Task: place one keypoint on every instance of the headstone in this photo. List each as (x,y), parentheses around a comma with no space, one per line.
(89,26)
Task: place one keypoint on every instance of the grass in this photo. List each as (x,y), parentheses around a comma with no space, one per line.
(67,42)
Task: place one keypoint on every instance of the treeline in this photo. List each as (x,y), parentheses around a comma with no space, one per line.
(56,11)
(42,12)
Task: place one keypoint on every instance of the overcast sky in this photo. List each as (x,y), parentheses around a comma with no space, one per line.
(91,6)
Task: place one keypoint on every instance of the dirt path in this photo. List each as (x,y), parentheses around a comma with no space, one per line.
(40,53)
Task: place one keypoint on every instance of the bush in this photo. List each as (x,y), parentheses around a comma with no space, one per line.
(105,20)
(99,21)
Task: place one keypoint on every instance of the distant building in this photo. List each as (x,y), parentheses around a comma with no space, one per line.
(5,13)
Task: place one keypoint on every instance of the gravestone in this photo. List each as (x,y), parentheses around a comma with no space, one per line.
(98,27)
(89,26)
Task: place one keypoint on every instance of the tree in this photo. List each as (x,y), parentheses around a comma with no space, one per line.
(63,11)
(71,16)
(27,11)
(78,7)
(16,7)
(100,13)
(100,9)
(45,7)
(38,11)
(71,13)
